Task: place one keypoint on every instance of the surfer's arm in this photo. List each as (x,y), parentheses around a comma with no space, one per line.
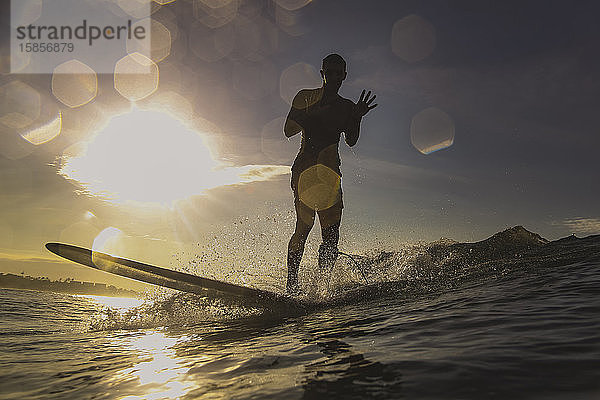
(357,111)
(294,123)
(352,130)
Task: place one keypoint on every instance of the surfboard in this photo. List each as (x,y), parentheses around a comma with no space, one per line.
(177,280)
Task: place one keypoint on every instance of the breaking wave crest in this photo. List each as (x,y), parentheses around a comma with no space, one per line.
(445,264)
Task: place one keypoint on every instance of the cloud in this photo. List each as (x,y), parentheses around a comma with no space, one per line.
(263,172)
(581,225)
(26,258)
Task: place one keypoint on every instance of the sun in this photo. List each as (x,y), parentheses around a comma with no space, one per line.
(152,157)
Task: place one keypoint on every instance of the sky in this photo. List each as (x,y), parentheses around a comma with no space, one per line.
(487,118)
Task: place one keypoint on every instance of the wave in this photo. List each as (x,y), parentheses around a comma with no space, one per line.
(412,271)
(446,263)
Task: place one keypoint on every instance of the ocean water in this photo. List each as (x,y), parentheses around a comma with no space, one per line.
(517,321)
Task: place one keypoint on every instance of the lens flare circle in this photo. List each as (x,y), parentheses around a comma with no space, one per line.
(136,76)
(319,187)
(413,38)
(431,130)
(74,83)
(295,77)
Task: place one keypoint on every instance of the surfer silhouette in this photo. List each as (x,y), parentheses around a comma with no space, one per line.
(321,115)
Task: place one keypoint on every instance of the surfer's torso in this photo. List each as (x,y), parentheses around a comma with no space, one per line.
(323,119)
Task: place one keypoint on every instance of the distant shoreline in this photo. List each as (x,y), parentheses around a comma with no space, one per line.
(69,286)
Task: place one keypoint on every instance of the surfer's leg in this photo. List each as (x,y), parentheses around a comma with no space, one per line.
(330,220)
(305,218)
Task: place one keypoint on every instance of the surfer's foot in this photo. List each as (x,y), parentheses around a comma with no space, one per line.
(293,289)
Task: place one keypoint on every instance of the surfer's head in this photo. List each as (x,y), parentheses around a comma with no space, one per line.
(333,71)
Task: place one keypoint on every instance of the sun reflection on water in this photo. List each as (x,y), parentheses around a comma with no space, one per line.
(159,371)
(120,303)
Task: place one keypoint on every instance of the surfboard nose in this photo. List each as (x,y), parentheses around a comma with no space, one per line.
(53,247)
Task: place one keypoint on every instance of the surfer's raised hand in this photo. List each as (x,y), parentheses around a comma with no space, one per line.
(364,104)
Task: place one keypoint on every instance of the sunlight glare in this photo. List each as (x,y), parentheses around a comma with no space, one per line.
(106,239)
(160,376)
(119,303)
(151,157)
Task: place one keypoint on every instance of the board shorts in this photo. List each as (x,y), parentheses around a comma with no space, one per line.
(333,190)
